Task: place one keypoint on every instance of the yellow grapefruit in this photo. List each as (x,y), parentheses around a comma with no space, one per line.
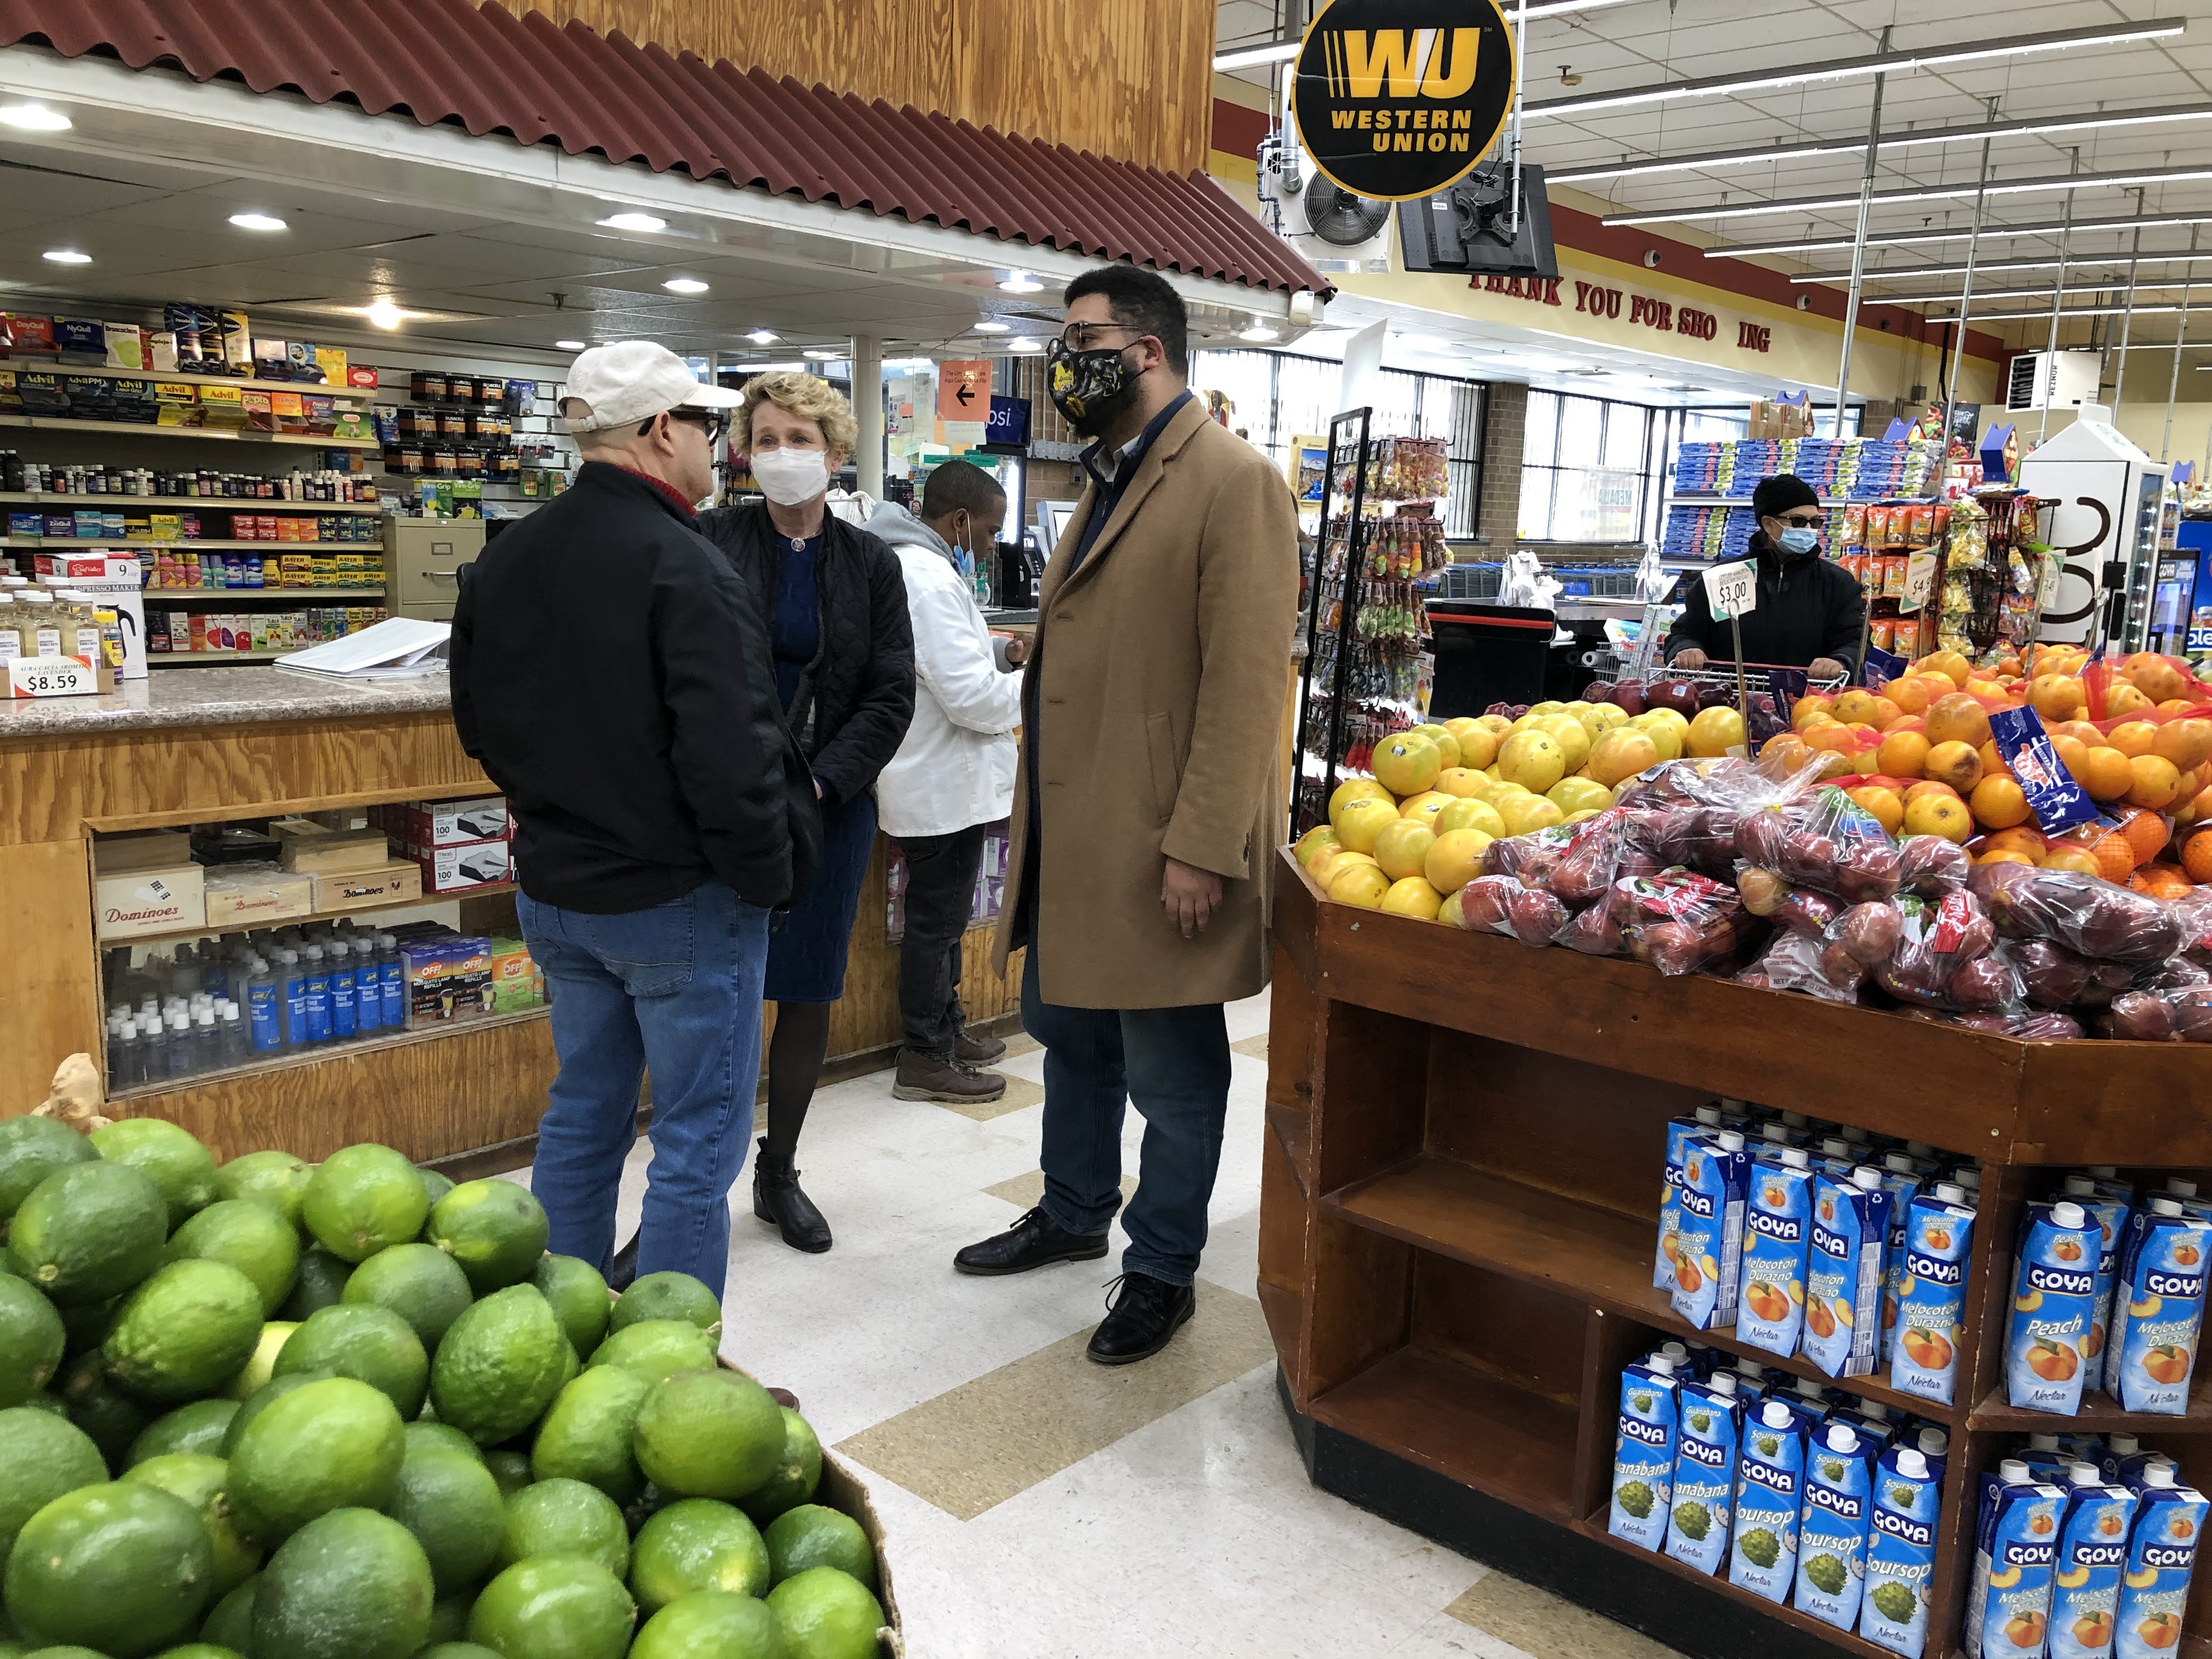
(1524,813)
(1620,754)
(1470,814)
(1534,760)
(1408,764)
(1456,859)
(1362,820)
(1352,789)
(1360,884)
(1412,896)
(1401,847)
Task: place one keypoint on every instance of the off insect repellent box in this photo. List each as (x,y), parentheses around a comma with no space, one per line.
(1643,1454)
(2092,1552)
(1769,1497)
(1832,1537)
(1777,1233)
(1900,1566)
(1709,1252)
(1709,1419)
(2054,1297)
(2161,1554)
(2158,1309)
(1842,1276)
(1931,1295)
(2015,1546)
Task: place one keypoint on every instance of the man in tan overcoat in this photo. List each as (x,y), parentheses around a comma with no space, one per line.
(1148,803)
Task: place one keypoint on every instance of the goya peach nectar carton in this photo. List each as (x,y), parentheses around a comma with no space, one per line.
(2161,1555)
(1931,1294)
(2053,1302)
(2015,1545)
(2093,1550)
(2158,1309)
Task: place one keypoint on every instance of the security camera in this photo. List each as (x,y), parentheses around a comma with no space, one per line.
(1804,302)
(1652,259)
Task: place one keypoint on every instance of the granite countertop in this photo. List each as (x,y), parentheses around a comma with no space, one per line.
(218,696)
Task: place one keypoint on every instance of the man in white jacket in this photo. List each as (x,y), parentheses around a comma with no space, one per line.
(953,777)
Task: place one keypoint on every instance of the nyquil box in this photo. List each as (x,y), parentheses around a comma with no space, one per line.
(1708,1420)
(1769,1494)
(1777,1231)
(2162,1553)
(2092,1549)
(1842,1276)
(1908,1494)
(1931,1294)
(1709,1254)
(2158,1309)
(1832,1537)
(2054,1297)
(2015,1544)
(1643,1454)
(1678,1131)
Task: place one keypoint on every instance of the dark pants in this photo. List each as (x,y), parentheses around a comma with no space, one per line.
(940,896)
(1174,1063)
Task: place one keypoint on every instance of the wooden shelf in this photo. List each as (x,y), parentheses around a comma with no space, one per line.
(173,934)
(141,1097)
(227,595)
(1593,1526)
(217,503)
(150,429)
(49,366)
(2099,1414)
(185,544)
(1578,1250)
(1469,1425)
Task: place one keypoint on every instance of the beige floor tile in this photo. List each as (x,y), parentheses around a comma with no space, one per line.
(1545,1626)
(1026,1192)
(989,1440)
(1020,1092)
(1255,1046)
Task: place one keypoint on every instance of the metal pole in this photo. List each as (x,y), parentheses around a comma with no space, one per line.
(868,411)
(1858,243)
(1965,305)
(1520,51)
(2180,333)
(2059,295)
(2120,380)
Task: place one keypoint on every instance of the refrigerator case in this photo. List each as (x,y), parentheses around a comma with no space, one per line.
(2091,462)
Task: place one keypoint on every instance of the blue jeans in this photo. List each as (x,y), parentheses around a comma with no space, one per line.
(1173,1063)
(675,990)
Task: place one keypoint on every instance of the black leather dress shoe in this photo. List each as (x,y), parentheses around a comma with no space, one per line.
(1147,1312)
(622,1271)
(778,1200)
(1035,1241)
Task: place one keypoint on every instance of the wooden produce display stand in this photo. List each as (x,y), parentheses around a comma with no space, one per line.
(1459,1211)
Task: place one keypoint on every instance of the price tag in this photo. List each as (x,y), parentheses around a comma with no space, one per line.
(50,676)
(1919,580)
(2054,572)
(1732,590)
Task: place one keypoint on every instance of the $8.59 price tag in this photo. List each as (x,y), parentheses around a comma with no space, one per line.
(50,676)
(1731,590)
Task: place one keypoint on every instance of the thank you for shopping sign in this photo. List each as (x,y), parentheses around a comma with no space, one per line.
(1398,98)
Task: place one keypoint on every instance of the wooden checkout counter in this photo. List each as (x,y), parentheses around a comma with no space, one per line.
(207,744)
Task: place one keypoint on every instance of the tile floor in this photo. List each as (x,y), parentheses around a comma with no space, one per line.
(1040,1507)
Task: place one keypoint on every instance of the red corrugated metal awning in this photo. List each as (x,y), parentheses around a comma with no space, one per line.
(487,70)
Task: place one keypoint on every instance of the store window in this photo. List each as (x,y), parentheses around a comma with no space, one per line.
(1588,469)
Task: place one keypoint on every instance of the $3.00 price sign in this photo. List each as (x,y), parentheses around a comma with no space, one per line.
(50,676)
(1731,590)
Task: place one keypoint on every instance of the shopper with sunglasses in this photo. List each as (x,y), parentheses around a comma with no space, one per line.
(833,600)
(612,675)
(1811,610)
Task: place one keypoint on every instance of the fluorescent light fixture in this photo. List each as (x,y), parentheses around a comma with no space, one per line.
(1020,281)
(570,346)
(634,221)
(684,285)
(766,368)
(33,118)
(1026,343)
(1810,244)
(992,328)
(763,336)
(1723,158)
(1981,294)
(823,354)
(2063,183)
(1891,62)
(68,256)
(2044,316)
(384,312)
(1275,52)
(257,222)
(2000,267)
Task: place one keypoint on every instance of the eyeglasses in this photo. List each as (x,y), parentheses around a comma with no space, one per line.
(1076,336)
(1800,521)
(715,421)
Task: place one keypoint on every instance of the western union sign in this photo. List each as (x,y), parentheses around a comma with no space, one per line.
(1397,99)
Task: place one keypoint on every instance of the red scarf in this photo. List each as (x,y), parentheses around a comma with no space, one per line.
(664,487)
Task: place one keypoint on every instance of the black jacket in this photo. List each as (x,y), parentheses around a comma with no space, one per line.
(1808,607)
(864,670)
(612,677)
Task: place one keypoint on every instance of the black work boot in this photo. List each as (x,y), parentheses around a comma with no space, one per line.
(778,1200)
(925,1076)
(972,1050)
(1147,1312)
(1035,1241)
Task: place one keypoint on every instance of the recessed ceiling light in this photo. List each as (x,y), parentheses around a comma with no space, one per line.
(384,313)
(763,336)
(68,256)
(1025,345)
(257,222)
(684,285)
(1260,331)
(634,221)
(33,118)
(992,328)
(824,354)
(569,345)
(1020,281)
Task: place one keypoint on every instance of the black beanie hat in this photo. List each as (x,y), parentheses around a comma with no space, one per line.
(1783,493)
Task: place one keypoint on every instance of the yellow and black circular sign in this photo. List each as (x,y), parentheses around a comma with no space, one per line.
(1397,99)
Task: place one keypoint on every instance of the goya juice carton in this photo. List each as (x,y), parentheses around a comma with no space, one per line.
(1931,1295)
(2157,1311)
(1778,1231)
(1901,1181)
(1831,1537)
(1709,1254)
(2162,1553)
(1874,1421)
(1842,1275)
(1643,1454)
(2093,1550)
(1932,1443)
(2107,1177)
(2124,1459)
(1908,1494)
(2048,1463)
(2054,1296)
(1708,1421)
(2015,1543)
(1770,1494)
(2111,1215)
(2184,1191)
(1678,1133)
(1836,1156)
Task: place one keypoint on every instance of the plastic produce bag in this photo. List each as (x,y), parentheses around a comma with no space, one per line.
(2087,913)
(1500,904)
(1803,962)
(1679,921)
(1830,843)
(2159,1015)
(1946,957)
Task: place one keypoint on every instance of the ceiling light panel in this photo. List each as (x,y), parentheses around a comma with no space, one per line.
(1810,244)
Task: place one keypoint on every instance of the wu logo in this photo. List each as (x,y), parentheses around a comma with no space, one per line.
(1402,63)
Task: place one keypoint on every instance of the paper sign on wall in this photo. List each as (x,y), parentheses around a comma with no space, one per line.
(963,390)
(1732,590)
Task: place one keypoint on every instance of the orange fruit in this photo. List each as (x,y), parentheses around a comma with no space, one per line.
(1955,763)
(2055,696)
(2164,881)
(1930,787)
(1951,665)
(2187,744)
(2157,678)
(1902,754)
(2132,737)
(2178,706)
(2006,855)
(1912,694)
(2196,857)
(2106,774)
(1832,735)
(1885,714)
(1939,815)
(2115,855)
(2071,752)
(1811,704)
(2019,838)
(1854,706)
(1957,719)
(2079,860)
(1886,805)
(2122,698)
(1998,804)
(2200,809)
(1993,760)
(1785,749)
(2146,832)
(2156,783)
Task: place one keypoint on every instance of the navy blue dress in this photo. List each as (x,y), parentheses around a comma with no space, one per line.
(806,953)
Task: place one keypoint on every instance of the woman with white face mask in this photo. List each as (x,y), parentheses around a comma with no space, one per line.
(835,601)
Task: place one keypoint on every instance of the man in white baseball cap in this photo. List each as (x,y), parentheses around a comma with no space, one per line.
(613,677)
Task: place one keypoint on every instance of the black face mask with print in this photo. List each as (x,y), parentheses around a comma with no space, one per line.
(1089,387)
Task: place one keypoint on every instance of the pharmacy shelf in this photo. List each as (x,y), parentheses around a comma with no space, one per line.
(171,936)
(150,429)
(336,1050)
(187,543)
(219,503)
(49,366)
(167,595)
